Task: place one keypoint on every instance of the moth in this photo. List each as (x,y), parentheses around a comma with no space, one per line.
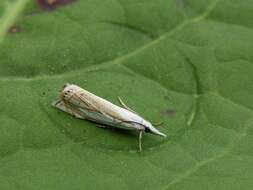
(85,105)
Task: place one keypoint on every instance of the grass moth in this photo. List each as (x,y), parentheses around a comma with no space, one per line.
(85,105)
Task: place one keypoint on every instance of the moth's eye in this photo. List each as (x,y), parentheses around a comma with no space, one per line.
(68,91)
(65,94)
(147,130)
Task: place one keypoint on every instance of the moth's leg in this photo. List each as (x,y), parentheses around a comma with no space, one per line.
(140,140)
(102,126)
(124,105)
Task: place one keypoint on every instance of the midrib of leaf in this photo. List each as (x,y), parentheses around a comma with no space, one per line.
(12,10)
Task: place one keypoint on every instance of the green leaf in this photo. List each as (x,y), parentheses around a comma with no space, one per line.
(9,10)
(186,63)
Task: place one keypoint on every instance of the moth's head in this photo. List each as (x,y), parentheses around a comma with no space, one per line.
(151,129)
(68,91)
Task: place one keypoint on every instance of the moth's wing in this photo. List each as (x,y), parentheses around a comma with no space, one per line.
(89,105)
(58,103)
(84,103)
(93,111)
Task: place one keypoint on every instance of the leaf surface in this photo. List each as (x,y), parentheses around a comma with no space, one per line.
(186,63)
